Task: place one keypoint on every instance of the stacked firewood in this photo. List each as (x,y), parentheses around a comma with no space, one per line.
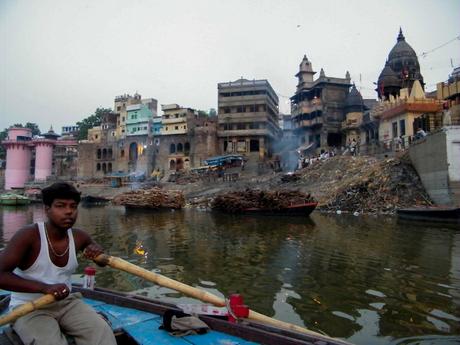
(153,198)
(235,202)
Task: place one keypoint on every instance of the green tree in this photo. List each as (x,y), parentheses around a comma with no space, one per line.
(33,127)
(90,122)
(202,113)
(212,112)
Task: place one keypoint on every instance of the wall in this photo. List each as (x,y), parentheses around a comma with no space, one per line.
(437,161)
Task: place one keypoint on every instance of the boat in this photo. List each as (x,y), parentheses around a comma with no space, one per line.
(11,199)
(297,209)
(89,201)
(136,320)
(433,214)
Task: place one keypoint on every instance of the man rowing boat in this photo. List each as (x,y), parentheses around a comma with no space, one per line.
(40,259)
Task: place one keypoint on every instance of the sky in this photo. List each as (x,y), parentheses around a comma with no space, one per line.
(60,60)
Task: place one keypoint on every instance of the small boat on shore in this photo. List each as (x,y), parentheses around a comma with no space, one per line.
(11,199)
(136,320)
(433,214)
(297,210)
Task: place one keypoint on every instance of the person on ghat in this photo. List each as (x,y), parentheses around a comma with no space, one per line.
(40,259)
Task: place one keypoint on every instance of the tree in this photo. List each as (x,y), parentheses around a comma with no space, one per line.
(212,112)
(90,122)
(33,127)
(202,113)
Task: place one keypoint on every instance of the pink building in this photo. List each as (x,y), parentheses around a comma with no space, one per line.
(20,149)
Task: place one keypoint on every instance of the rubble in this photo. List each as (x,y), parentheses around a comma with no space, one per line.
(152,198)
(364,184)
(237,201)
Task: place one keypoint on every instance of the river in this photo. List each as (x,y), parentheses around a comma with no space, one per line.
(370,280)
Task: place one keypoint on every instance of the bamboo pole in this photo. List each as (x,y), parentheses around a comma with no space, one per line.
(26,308)
(202,295)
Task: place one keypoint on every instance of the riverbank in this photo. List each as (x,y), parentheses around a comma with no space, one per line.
(340,184)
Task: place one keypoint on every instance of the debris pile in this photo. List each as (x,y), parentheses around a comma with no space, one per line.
(364,184)
(237,201)
(152,198)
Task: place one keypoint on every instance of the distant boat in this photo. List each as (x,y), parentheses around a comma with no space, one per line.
(11,199)
(433,214)
(89,200)
(298,210)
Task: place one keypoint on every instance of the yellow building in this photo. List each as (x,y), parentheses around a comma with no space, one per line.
(401,116)
(449,93)
(174,119)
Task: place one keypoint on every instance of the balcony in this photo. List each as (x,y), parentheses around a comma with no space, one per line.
(307,107)
(351,124)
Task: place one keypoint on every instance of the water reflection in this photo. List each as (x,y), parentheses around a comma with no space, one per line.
(367,279)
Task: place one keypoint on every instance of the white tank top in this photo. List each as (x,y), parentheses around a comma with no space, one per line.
(44,270)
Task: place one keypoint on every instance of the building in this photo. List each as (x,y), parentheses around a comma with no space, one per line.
(39,158)
(318,107)
(401,70)
(70,131)
(174,144)
(121,103)
(399,118)
(248,118)
(449,93)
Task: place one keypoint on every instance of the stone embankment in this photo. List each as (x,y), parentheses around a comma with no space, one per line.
(341,183)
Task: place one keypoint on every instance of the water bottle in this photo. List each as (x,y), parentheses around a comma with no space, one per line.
(90,278)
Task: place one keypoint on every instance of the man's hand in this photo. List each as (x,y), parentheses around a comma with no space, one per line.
(92,251)
(59,291)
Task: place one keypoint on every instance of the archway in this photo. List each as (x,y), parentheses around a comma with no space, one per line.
(133,151)
(179,164)
(172,164)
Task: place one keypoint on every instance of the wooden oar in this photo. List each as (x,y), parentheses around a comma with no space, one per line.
(202,295)
(26,308)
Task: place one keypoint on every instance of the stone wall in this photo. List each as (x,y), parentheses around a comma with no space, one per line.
(437,161)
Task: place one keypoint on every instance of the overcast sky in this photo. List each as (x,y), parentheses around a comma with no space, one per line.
(60,60)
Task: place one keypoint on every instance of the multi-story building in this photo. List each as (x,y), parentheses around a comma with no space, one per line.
(318,107)
(247,118)
(174,141)
(121,102)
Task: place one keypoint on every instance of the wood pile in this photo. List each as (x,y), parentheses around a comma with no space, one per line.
(152,198)
(235,202)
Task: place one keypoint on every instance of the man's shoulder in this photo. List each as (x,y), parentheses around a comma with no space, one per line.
(27,233)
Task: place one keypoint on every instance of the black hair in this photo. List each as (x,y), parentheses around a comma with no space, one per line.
(60,190)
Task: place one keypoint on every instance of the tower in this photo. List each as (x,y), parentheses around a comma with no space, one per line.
(305,74)
(18,156)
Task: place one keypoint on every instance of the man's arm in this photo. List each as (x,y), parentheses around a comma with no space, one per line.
(19,247)
(84,242)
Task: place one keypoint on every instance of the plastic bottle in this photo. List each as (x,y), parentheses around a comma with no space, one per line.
(90,278)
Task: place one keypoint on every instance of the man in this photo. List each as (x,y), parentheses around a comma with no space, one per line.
(40,259)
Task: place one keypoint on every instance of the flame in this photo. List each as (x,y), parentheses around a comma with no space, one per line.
(139,249)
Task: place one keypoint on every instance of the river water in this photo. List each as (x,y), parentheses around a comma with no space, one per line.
(370,280)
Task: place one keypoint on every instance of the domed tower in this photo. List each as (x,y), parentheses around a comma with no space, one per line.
(403,64)
(305,74)
(388,83)
(354,101)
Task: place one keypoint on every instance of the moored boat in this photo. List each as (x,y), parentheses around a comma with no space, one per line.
(136,320)
(11,199)
(433,214)
(298,209)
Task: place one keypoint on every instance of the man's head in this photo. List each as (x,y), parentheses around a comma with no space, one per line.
(60,190)
(61,204)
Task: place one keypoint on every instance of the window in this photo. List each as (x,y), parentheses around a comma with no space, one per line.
(98,167)
(99,154)
(227,110)
(172,148)
(176,127)
(180,147)
(394,127)
(122,153)
(402,127)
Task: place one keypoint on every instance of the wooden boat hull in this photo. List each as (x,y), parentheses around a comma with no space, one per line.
(293,210)
(14,201)
(135,320)
(444,215)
